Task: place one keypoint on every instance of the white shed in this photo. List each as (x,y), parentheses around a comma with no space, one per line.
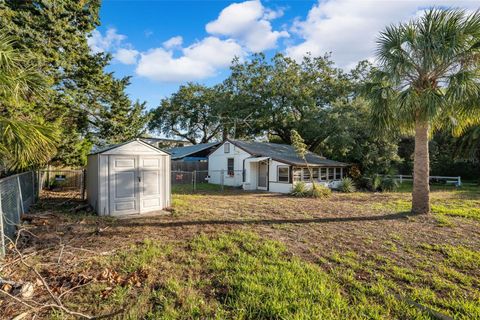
(128,178)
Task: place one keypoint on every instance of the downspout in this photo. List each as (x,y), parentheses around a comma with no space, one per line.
(268,174)
(243,170)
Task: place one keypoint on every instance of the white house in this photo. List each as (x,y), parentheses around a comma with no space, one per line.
(128,178)
(269,166)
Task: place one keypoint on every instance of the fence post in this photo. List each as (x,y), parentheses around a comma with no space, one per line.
(21,199)
(401,179)
(48,176)
(459,181)
(2,231)
(194,179)
(34,199)
(40,183)
(222,177)
(84,182)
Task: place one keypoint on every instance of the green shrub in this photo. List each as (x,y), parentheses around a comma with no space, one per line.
(376,182)
(300,189)
(363,183)
(389,184)
(319,191)
(347,186)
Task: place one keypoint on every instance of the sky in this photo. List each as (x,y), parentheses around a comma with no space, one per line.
(164,44)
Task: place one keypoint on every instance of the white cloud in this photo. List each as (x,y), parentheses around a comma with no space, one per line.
(249,23)
(348,28)
(99,43)
(198,61)
(173,42)
(126,56)
(271,14)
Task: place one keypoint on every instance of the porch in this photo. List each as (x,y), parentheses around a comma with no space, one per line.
(328,176)
(256,173)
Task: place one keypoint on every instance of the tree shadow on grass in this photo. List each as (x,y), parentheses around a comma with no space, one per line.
(137,221)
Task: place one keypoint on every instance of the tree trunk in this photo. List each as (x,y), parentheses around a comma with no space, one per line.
(224,133)
(421,170)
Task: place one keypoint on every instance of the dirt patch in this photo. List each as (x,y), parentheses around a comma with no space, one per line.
(71,242)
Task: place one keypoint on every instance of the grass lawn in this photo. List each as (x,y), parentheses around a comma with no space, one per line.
(239,255)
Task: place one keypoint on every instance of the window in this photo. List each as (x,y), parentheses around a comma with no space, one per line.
(230,166)
(226,147)
(306,174)
(315,172)
(338,173)
(331,173)
(283,174)
(323,173)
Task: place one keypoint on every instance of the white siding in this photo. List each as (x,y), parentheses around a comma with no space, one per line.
(217,161)
(275,185)
(104,209)
(280,187)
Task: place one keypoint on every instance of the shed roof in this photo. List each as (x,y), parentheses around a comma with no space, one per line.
(181,152)
(114,146)
(284,153)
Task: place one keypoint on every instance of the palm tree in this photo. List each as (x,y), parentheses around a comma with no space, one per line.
(428,76)
(25,139)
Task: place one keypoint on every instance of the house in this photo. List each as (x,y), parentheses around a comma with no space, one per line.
(196,152)
(269,166)
(128,178)
(192,158)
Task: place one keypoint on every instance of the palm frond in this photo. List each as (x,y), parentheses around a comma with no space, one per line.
(433,65)
(26,143)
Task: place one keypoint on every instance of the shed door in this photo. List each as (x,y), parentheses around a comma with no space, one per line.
(123,188)
(151,193)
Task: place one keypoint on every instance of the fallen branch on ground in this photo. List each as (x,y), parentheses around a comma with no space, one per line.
(24,290)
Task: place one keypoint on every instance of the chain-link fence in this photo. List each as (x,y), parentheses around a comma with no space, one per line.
(203,180)
(17,194)
(62,180)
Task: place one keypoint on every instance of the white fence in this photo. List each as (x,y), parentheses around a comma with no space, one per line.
(457,181)
(17,194)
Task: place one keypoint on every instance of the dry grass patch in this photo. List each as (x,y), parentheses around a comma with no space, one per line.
(236,254)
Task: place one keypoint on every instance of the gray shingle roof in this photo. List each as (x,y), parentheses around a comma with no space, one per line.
(180,152)
(284,153)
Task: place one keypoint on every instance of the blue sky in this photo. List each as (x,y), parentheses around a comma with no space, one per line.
(163,44)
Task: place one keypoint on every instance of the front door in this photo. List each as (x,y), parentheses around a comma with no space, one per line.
(123,185)
(262,175)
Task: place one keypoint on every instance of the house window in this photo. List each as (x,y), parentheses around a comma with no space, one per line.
(338,173)
(331,173)
(297,174)
(315,172)
(230,166)
(323,174)
(306,175)
(283,174)
(226,147)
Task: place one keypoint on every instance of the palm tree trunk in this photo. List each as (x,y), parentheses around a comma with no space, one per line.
(421,170)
